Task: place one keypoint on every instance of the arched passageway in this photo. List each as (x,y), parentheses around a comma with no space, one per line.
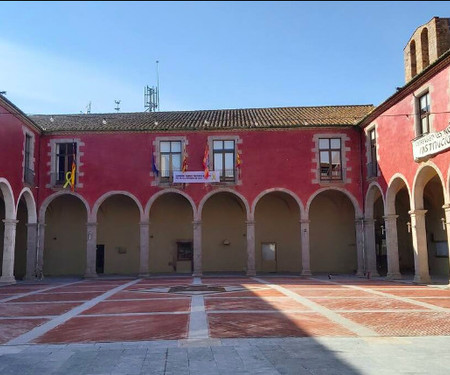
(118,219)
(277,233)
(171,236)
(332,233)
(65,237)
(20,256)
(224,234)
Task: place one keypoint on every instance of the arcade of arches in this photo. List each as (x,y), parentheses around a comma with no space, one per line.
(401,233)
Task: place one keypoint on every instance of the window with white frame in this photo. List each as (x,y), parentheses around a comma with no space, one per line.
(424,113)
(372,168)
(330,159)
(224,158)
(170,153)
(28,172)
(65,159)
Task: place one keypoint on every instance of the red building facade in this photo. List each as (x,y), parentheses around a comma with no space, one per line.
(301,189)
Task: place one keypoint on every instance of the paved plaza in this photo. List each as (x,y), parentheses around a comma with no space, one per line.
(224,325)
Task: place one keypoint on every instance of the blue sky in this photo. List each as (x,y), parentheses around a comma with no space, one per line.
(59,56)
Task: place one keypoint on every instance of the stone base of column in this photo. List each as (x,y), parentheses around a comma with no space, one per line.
(7,280)
(90,275)
(360,274)
(394,276)
(251,273)
(197,274)
(306,273)
(144,274)
(373,273)
(418,279)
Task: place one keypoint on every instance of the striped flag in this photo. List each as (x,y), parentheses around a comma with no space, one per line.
(185,165)
(206,161)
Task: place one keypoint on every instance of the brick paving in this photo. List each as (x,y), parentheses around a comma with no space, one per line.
(262,325)
(247,307)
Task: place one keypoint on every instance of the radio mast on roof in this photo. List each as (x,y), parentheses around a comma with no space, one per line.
(117,108)
(151,94)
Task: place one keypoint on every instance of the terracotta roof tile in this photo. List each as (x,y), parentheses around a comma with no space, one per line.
(205,120)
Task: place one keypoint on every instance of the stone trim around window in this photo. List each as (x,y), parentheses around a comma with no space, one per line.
(415,104)
(156,180)
(237,141)
(51,165)
(345,149)
(32,148)
(368,144)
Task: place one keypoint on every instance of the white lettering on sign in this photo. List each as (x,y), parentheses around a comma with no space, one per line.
(431,144)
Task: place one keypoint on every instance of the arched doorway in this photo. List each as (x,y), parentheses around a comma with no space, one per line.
(277,233)
(65,236)
(171,234)
(118,241)
(224,233)
(332,233)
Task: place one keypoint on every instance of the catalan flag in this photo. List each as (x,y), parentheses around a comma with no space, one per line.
(185,165)
(206,161)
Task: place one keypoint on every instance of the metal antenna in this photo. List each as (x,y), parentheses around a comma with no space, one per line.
(88,108)
(151,94)
(117,108)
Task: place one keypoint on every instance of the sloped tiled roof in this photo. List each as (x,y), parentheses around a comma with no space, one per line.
(225,119)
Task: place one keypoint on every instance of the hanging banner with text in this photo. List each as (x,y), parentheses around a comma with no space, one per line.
(195,177)
(431,144)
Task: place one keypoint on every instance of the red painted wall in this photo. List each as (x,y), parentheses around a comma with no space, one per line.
(12,140)
(270,159)
(395,131)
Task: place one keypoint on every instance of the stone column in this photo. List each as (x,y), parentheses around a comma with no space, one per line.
(197,248)
(31,251)
(392,247)
(419,238)
(91,251)
(251,271)
(144,247)
(39,272)
(446,208)
(359,224)
(306,256)
(8,251)
(369,247)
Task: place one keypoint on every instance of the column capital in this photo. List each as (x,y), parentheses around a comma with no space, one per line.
(144,223)
(304,221)
(31,225)
(10,221)
(91,224)
(369,221)
(250,222)
(417,212)
(359,220)
(446,207)
(391,217)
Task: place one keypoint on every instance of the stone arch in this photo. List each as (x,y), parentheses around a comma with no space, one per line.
(223,190)
(335,232)
(52,197)
(395,184)
(62,240)
(8,197)
(423,175)
(31,204)
(277,215)
(358,212)
(171,215)
(99,201)
(224,215)
(154,197)
(370,199)
(282,190)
